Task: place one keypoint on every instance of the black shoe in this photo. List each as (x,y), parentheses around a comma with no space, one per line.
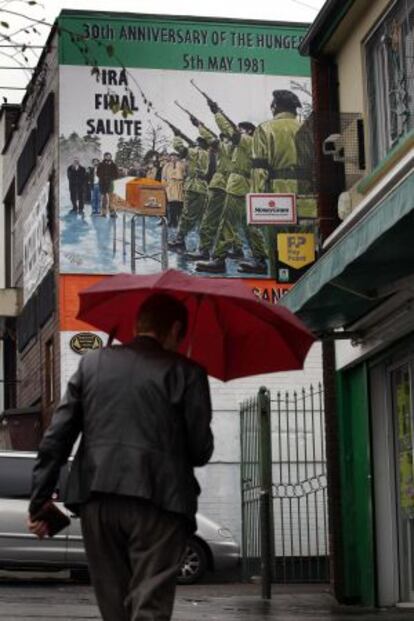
(237,253)
(254,266)
(215,266)
(198,255)
(177,246)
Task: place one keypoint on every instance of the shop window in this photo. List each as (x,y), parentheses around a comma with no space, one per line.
(45,123)
(10,371)
(9,215)
(46,294)
(26,162)
(27,324)
(390,67)
(37,311)
(50,372)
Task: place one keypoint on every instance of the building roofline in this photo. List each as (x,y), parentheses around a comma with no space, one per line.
(326,22)
(42,56)
(185,18)
(28,92)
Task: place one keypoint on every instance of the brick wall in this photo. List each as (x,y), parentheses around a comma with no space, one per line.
(30,363)
(31,372)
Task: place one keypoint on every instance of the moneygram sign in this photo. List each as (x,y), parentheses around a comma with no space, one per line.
(271,209)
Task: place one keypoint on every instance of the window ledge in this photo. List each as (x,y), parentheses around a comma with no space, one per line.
(10,302)
(381,189)
(396,154)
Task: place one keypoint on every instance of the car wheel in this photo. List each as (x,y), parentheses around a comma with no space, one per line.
(194,563)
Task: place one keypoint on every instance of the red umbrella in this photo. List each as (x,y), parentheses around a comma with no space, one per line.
(231,332)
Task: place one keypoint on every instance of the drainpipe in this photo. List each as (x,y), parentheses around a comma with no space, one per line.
(331,181)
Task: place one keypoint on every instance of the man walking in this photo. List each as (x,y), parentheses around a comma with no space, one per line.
(77,182)
(107,172)
(144,413)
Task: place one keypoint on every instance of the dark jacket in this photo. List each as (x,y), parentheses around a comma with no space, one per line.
(144,414)
(76,177)
(107,172)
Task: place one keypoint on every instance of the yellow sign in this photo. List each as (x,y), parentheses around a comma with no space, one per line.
(296,249)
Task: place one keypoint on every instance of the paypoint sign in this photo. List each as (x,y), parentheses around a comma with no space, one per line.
(295,252)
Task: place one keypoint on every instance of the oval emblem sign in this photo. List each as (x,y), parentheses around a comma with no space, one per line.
(84,341)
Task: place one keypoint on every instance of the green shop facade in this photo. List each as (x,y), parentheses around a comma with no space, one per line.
(359,298)
(354,295)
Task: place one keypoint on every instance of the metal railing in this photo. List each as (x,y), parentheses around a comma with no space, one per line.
(137,243)
(161,256)
(283,465)
(300,486)
(256,489)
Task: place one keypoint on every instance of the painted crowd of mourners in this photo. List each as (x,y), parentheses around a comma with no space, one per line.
(206,181)
(94,185)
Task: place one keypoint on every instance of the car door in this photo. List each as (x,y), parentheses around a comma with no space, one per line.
(76,556)
(18,547)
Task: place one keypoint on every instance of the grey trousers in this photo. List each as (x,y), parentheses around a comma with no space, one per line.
(134,552)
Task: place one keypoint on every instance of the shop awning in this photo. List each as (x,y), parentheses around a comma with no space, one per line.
(351,278)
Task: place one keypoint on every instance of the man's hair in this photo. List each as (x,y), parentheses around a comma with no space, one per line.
(107,153)
(247,126)
(158,314)
(202,142)
(286,101)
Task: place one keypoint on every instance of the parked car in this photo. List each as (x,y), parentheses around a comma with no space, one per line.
(212,547)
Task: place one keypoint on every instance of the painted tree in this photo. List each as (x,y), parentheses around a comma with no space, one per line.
(128,151)
(155,138)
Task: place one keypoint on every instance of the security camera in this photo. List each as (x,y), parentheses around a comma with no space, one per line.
(333,145)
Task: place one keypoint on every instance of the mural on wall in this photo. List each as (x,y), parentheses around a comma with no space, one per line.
(163,138)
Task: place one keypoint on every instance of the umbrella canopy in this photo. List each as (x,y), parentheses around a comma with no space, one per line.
(232,333)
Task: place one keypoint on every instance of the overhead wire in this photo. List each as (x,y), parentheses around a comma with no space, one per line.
(309,6)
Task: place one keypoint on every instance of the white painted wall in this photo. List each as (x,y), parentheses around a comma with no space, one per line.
(220,480)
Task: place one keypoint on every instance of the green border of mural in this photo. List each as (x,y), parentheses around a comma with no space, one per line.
(176,43)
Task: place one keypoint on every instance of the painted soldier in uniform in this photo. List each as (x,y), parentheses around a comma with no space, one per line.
(221,149)
(195,191)
(228,241)
(274,147)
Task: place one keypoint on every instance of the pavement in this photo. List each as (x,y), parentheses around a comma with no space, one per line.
(55,599)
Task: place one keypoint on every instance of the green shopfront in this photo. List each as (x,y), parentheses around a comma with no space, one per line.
(360,294)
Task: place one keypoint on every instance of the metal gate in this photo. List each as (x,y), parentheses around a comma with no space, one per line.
(283,465)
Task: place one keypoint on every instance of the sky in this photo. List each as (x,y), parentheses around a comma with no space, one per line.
(16,66)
